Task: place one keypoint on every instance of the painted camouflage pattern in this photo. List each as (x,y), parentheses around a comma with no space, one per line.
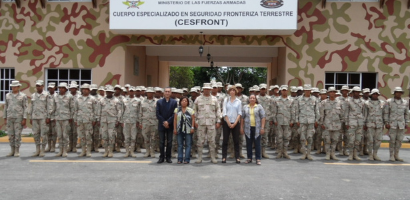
(340,37)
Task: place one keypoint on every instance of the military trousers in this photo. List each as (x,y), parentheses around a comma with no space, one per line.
(63,128)
(84,132)
(306,135)
(107,130)
(206,132)
(148,132)
(130,134)
(355,134)
(374,138)
(396,138)
(52,132)
(331,138)
(40,131)
(283,137)
(14,129)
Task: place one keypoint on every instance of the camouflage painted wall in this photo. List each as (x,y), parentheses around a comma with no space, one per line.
(341,37)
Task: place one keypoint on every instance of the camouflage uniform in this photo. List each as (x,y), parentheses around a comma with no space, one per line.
(373,119)
(119,137)
(129,119)
(109,112)
(354,118)
(72,134)
(63,112)
(273,128)
(306,114)
(96,135)
(52,132)
(208,114)
(15,110)
(283,113)
(85,114)
(265,102)
(395,114)
(331,117)
(344,137)
(140,139)
(220,98)
(149,121)
(40,110)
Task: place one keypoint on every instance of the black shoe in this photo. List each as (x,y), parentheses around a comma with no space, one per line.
(161,160)
(169,160)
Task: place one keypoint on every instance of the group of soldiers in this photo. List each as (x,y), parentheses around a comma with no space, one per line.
(350,121)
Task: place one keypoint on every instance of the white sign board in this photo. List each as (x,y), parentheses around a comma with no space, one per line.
(236,17)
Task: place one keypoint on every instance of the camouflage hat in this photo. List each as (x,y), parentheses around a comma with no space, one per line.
(300,88)
(85,86)
(283,87)
(101,88)
(375,91)
(194,90)
(273,87)
(158,89)
(332,89)
(356,89)
(366,90)
(323,91)
(117,86)
(143,88)
(263,86)
(150,89)
(214,85)
(63,85)
(293,89)
(207,86)
(251,89)
(315,90)
(338,92)
(256,88)
(238,85)
(307,87)
(132,88)
(179,91)
(173,90)
(127,85)
(185,89)
(109,88)
(345,87)
(73,84)
(40,82)
(15,84)
(138,88)
(51,85)
(123,89)
(219,84)
(398,89)
(93,86)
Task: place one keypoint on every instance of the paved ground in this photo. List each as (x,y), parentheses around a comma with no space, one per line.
(129,178)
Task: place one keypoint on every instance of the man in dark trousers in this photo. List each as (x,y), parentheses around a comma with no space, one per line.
(165,116)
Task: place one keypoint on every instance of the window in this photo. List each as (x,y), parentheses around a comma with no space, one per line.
(339,79)
(6,76)
(67,75)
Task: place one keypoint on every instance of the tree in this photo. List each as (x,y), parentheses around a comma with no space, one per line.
(181,77)
(247,76)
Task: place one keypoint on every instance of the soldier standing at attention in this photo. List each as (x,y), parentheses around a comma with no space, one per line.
(140,140)
(219,130)
(396,118)
(343,138)
(331,118)
(52,132)
(354,123)
(96,128)
(40,111)
(109,112)
(265,101)
(283,114)
(130,122)
(148,122)
(373,120)
(319,135)
(274,94)
(295,135)
(363,144)
(119,136)
(15,115)
(208,113)
(85,118)
(73,136)
(63,114)
(306,117)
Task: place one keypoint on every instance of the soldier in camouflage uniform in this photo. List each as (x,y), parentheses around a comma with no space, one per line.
(274,89)
(130,121)
(354,120)
(220,99)
(15,115)
(194,94)
(343,138)
(319,130)
(331,118)
(140,139)
(208,112)
(96,136)
(306,117)
(364,142)
(73,136)
(119,138)
(85,119)
(396,119)
(52,132)
(40,113)
(373,120)
(109,112)
(295,135)
(315,93)
(63,114)
(148,122)
(283,115)
(265,101)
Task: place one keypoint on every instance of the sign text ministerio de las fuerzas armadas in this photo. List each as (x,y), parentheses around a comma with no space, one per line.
(247,17)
